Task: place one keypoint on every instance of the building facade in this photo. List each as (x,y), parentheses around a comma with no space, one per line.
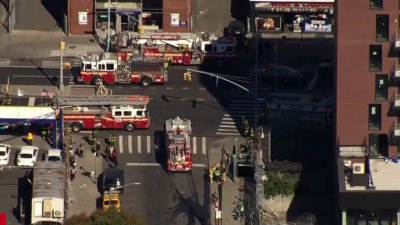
(367,115)
(292,18)
(80,17)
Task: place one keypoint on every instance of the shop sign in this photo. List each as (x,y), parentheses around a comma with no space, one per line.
(175,19)
(82,18)
(318,23)
(269,23)
(295,6)
(183,23)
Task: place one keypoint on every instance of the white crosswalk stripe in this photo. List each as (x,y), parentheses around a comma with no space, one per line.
(148,144)
(55,63)
(231,122)
(5,62)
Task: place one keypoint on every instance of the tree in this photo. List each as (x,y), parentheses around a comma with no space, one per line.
(278,184)
(101,217)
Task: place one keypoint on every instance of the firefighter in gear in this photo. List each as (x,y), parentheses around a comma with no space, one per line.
(92,140)
(245,126)
(111,139)
(251,136)
(215,172)
(211,175)
(30,137)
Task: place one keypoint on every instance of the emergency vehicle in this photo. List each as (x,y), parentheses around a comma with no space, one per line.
(179,152)
(181,48)
(111,68)
(128,112)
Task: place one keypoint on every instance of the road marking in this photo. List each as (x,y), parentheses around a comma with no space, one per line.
(233,126)
(31,101)
(224,133)
(30,76)
(195,165)
(185,88)
(227,118)
(228,122)
(169,88)
(121,145)
(202,89)
(200,99)
(130,143)
(194,145)
(203,145)
(139,144)
(222,129)
(148,144)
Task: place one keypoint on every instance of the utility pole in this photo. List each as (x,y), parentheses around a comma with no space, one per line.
(62,48)
(108,28)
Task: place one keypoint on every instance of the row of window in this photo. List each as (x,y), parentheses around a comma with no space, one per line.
(381,94)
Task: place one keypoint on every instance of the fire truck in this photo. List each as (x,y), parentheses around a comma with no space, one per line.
(111,68)
(179,153)
(181,48)
(128,112)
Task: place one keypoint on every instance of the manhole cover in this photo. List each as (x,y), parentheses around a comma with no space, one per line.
(72,47)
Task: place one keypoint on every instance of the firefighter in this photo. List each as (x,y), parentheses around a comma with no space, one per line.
(251,135)
(245,126)
(217,172)
(112,138)
(211,174)
(97,149)
(30,137)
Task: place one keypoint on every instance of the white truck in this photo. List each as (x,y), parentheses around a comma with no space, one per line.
(48,193)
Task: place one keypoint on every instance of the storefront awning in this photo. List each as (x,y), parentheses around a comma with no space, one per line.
(297,7)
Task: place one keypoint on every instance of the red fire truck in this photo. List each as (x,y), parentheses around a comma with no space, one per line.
(183,48)
(112,69)
(179,152)
(128,112)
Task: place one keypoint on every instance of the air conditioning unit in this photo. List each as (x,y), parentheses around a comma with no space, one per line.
(358,168)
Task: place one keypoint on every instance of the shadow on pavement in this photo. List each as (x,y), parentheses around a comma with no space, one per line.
(56,9)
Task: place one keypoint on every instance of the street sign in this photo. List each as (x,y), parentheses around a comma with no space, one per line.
(218,214)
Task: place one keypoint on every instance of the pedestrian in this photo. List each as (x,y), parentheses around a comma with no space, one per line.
(80,150)
(30,137)
(73,173)
(115,162)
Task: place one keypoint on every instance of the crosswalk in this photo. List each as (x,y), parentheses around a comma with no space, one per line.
(131,144)
(55,63)
(231,121)
(263,87)
(5,62)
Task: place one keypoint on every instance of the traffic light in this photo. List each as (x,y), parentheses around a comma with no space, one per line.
(141,30)
(187,76)
(62,45)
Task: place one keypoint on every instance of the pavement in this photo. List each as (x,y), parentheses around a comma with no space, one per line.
(230,189)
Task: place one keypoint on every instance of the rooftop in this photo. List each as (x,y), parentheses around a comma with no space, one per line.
(48,180)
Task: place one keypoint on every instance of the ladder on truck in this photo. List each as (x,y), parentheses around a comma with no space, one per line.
(96,100)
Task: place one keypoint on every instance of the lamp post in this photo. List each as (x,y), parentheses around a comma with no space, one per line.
(62,48)
(108,26)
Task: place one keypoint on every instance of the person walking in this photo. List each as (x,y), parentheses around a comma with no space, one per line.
(73,173)
(114,158)
(80,150)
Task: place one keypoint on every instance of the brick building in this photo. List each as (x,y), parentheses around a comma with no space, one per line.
(367,111)
(80,16)
(177,15)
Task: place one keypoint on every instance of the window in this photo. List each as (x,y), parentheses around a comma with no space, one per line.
(102,66)
(375,58)
(376,4)
(117,113)
(139,113)
(382,27)
(374,116)
(127,113)
(110,66)
(88,66)
(381,87)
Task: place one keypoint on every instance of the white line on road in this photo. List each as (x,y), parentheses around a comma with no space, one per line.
(195,165)
(227,118)
(228,122)
(225,133)
(203,146)
(30,76)
(31,101)
(139,144)
(148,144)
(232,126)
(130,143)
(121,145)
(222,129)
(194,145)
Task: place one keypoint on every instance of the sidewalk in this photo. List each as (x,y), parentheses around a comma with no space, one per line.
(27,45)
(83,191)
(230,189)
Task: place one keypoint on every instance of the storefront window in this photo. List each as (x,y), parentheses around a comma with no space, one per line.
(371,217)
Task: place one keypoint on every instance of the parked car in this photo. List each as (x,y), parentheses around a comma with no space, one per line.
(5,151)
(54,155)
(113,179)
(279,72)
(27,156)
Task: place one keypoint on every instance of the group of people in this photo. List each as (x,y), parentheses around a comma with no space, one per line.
(217,173)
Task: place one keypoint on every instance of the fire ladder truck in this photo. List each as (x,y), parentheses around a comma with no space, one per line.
(179,153)
(179,48)
(113,69)
(128,112)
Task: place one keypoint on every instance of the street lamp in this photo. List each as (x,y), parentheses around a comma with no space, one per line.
(62,48)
